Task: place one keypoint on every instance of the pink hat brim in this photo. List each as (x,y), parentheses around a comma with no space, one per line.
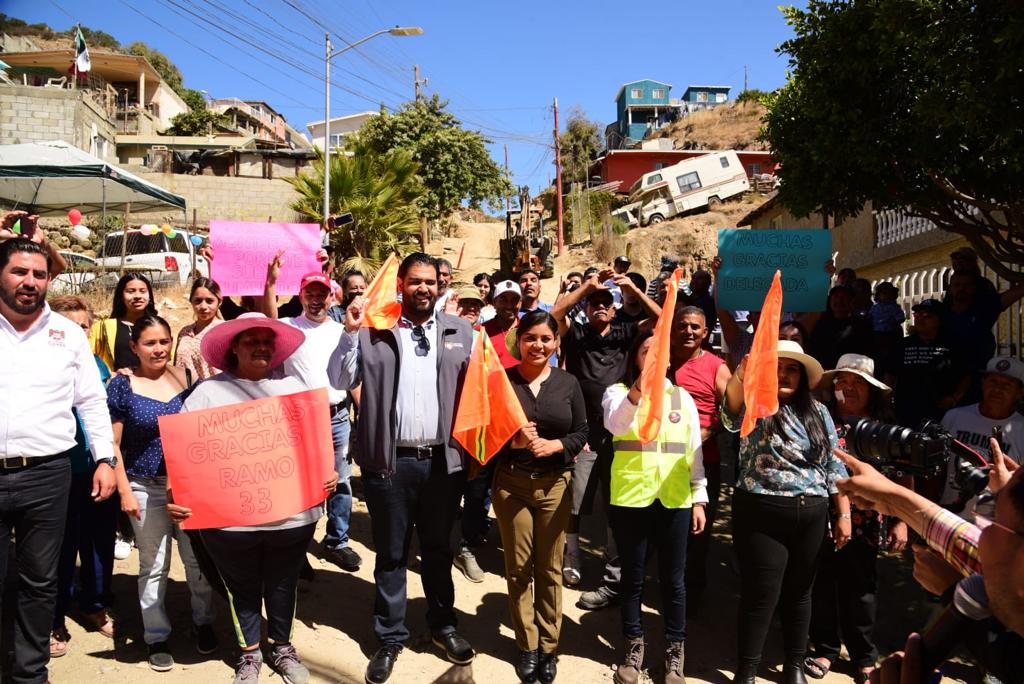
(217,342)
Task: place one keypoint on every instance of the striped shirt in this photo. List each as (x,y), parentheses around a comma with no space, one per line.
(954,538)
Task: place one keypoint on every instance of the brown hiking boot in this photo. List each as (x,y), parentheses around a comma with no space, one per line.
(629,671)
(674,657)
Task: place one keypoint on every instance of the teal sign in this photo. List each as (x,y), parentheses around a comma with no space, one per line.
(750,258)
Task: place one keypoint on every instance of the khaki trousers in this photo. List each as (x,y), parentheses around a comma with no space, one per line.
(532,514)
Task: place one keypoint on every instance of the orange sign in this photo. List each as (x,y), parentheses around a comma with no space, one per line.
(250,463)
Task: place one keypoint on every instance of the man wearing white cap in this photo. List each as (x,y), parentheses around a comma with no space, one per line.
(1002,386)
(507,298)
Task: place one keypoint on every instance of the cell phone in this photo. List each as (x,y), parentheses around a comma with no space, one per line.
(28,226)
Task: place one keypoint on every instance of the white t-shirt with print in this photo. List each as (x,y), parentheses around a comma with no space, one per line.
(309,362)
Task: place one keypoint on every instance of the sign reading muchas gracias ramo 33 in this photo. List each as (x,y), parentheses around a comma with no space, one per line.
(751,257)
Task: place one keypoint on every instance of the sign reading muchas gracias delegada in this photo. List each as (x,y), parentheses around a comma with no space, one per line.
(751,257)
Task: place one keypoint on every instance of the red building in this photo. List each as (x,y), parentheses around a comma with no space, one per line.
(626,166)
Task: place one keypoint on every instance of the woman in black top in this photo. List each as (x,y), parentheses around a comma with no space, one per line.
(531,493)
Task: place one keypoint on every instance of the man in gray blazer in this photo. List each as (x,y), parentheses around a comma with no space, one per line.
(412,468)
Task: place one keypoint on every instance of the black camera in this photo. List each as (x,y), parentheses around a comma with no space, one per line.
(897,450)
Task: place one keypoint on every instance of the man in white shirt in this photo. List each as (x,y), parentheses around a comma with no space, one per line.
(444,281)
(1002,387)
(309,364)
(47,370)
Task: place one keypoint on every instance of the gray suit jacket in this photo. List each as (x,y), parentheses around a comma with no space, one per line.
(373,358)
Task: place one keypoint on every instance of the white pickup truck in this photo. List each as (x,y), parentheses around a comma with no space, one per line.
(165,260)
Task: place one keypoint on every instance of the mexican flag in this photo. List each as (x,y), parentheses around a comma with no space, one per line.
(82,61)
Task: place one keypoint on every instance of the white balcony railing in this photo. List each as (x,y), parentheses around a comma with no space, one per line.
(893,225)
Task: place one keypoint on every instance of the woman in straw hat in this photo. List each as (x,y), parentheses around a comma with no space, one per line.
(259,563)
(780,509)
(844,590)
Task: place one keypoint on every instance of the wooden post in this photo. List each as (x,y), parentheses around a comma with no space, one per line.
(424,233)
(124,236)
(558,185)
(193,246)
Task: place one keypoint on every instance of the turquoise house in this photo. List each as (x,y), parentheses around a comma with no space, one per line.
(641,107)
(698,97)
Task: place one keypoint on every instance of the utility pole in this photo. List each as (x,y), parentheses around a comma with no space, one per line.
(417,81)
(558,185)
(744,78)
(327,130)
(508,176)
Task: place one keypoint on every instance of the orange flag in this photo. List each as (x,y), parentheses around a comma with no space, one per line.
(652,380)
(382,306)
(761,375)
(489,412)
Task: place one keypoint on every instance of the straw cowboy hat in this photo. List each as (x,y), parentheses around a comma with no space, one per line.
(217,342)
(792,350)
(858,364)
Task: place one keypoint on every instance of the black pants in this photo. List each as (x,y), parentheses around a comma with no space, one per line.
(33,505)
(697,550)
(423,495)
(476,503)
(843,602)
(637,532)
(260,566)
(777,540)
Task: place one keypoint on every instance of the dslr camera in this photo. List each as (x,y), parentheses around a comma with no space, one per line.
(897,450)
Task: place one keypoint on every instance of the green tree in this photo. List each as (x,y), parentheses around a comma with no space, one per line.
(454,165)
(170,73)
(97,37)
(580,144)
(194,99)
(752,95)
(196,122)
(907,103)
(380,189)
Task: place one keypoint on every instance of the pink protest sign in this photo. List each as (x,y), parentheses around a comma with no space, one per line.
(242,250)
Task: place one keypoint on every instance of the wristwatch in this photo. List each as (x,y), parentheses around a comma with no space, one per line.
(109,460)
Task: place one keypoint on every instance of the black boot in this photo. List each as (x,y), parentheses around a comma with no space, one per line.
(746,674)
(526,666)
(793,671)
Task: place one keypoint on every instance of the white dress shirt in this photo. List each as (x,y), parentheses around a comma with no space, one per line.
(417,408)
(44,373)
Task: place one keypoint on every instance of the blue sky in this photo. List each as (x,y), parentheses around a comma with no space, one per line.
(500,64)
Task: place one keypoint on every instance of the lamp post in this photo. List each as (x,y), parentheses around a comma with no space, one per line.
(328,56)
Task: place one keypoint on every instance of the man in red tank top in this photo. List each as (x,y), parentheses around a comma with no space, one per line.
(704,376)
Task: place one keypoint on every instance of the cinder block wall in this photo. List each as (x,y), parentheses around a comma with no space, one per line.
(29,114)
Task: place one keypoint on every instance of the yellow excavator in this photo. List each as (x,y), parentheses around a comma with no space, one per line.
(525,245)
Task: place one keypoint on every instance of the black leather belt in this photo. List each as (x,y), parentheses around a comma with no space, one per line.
(338,408)
(420,453)
(10,463)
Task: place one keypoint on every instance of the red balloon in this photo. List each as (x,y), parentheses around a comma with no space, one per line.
(75,217)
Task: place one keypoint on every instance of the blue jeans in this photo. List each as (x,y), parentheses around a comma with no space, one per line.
(153,535)
(339,504)
(89,533)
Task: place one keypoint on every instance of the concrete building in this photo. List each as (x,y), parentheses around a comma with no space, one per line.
(341,126)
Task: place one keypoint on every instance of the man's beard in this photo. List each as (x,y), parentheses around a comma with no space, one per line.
(11,300)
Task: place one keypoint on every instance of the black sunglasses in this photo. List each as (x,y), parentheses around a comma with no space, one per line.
(419,336)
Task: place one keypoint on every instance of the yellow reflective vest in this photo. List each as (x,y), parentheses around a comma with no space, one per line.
(660,469)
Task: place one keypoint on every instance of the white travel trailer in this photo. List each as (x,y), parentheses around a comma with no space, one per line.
(704,181)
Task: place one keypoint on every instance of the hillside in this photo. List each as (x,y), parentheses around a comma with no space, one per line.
(732,126)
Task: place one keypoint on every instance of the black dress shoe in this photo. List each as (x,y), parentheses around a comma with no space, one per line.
(456,648)
(345,558)
(379,669)
(526,668)
(793,672)
(547,668)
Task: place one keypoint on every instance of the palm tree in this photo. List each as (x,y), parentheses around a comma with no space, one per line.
(381,191)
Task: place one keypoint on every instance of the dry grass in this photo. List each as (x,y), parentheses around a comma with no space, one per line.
(728,127)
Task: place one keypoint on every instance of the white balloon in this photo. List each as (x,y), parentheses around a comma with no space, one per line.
(81,231)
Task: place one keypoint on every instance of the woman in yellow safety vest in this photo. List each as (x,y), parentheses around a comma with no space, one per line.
(658,494)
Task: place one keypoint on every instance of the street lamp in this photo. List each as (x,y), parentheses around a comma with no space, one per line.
(329,55)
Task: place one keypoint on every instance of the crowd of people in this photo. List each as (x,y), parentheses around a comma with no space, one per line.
(82,453)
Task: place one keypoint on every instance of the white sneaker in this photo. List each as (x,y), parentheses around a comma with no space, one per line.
(571,568)
(122,549)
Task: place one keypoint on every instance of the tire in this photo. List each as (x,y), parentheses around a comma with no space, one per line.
(714,202)
(657,218)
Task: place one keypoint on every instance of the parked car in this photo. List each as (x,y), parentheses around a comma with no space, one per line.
(704,181)
(165,260)
(81,271)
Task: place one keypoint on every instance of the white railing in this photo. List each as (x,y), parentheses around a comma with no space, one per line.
(893,225)
(221,106)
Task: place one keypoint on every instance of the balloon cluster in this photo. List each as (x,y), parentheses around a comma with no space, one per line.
(80,231)
(152,229)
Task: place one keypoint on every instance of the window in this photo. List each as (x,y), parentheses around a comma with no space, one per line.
(656,178)
(137,244)
(658,93)
(636,93)
(724,161)
(688,182)
(659,166)
(702,97)
(179,244)
(719,97)
(753,169)
(337,139)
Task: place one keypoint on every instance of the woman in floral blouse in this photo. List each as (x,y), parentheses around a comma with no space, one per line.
(843,603)
(787,472)
(206,300)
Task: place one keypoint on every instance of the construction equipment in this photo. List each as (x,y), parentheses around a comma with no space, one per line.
(525,245)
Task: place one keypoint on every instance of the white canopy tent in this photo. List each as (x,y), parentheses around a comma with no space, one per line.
(51,178)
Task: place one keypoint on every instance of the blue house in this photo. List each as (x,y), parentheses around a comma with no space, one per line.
(698,97)
(641,107)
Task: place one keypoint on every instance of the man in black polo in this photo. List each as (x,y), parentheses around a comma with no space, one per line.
(412,469)
(596,352)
